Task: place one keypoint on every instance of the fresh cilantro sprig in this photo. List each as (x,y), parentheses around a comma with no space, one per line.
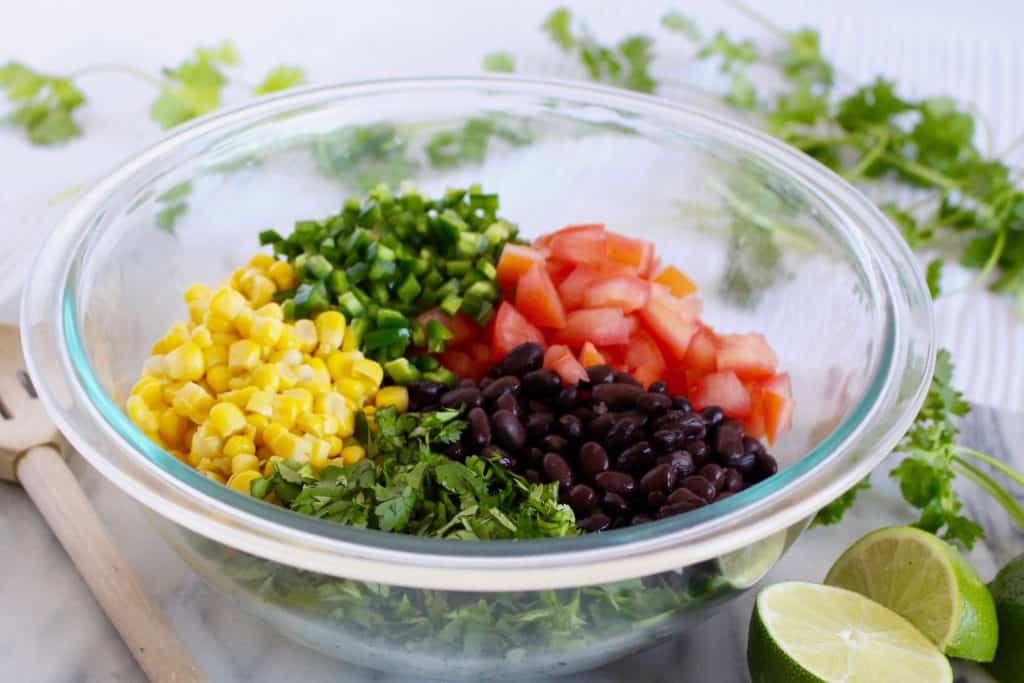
(45,105)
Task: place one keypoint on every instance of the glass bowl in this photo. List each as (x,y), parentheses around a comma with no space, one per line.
(777,242)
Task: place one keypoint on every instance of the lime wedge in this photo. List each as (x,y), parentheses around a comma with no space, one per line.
(804,632)
(927,581)
(1008,591)
(744,567)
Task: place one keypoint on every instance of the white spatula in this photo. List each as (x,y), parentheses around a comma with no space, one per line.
(28,456)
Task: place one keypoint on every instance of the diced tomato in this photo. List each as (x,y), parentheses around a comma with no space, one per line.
(573,289)
(559,271)
(643,352)
(626,292)
(613,268)
(462,364)
(778,415)
(462,327)
(677,380)
(652,268)
(672,330)
(629,250)
(560,359)
(601,326)
(722,389)
(614,355)
(646,375)
(754,426)
(702,353)
(633,323)
(582,244)
(780,385)
(510,330)
(748,355)
(577,228)
(676,281)
(515,260)
(589,355)
(537,299)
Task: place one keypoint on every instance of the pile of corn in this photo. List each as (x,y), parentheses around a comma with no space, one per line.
(236,388)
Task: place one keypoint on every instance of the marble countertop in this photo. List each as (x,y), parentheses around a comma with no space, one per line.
(54,631)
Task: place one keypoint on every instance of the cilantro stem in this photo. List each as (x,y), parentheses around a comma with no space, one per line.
(869,158)
(921,172)
(122,69)
(993,488)
(989,460)
(993,258)
(755,16)
(1011,147)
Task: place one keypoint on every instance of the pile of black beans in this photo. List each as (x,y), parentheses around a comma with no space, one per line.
(621,455)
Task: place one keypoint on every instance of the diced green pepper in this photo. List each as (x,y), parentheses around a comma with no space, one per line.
(388,317)
(401,371)
(409,289)
(451,304)
(318,267)
(350,305)
(337,282)
(381,338)
(442,375)
(438,336)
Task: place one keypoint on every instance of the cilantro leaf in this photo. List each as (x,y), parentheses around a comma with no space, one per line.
(834,512)
(280,78)
(558,27)
(194,87)
(500,62)
(45,105)
(933,276)
(677,22)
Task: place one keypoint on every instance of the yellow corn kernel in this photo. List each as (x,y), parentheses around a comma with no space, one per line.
(305,332)
(202,337)
(312,423)
(257,421)
(335,444)
(151,391)
(260,403)
(283,275)
(192,401)
(242,481)
(175,337)
(352,389)
(239,397)
(218,377)
(266,330)
(241,381)
(369,371)
(227,303)
(206,444)
(288,377)
(330,328)
(243,322)
(304,398)
(262,262)
(173,427)
(197,311)
(272,433)
(237,445)
(226,418)
(215,355)
(352,454)
(197,292)
(216,476)
(339,364)
(140,413)
(243,355)
(266,377)
(393,396)
(271,310)
(330,403)
(286,356)
(257,288)
(318,452)
(155,366)
(351,343)
(244,462)
(291,447)
(288,340)
(218,324)
(270,464)
(185,363)
(285,411)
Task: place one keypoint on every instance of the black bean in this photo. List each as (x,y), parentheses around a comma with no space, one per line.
(585,414)
(510,403)
(658,387)
(541,383)
(699,486)
(715,474)
(626,378)
(532,476)
(422,394)
(508,431)
(464,396)
(467,382)
(501,386)
(729,442)
(668,439)
(733,480)
(598,428)
(681,501)
(479,428)
(595,522)
(766,465)
(557,469)
(653,403)
(570,427)
(600,374)
(689,423)
(523,359)
(752,445)
(680,403)
(712,416)
(495,372)
(744,462)
(537,407)
(614,504)
(485,382)
(581,497)
(698,450)
(616,482)
(622,434)
(617,396)
(723,495)
(554,442)
(538,425)
(641,519)
(593,458)
(567,398)
(498,452)
(637,458)
(655,499)
(658,478)
(681,461)
(456,451)
(533,455)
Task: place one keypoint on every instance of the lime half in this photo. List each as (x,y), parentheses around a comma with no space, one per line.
(803,632)
(1008,591)
(926,580)
(744,567)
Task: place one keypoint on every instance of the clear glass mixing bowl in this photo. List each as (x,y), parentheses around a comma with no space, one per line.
(777,242)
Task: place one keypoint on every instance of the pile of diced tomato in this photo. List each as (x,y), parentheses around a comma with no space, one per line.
(591,296)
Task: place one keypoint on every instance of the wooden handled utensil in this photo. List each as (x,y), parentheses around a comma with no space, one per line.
(28,455)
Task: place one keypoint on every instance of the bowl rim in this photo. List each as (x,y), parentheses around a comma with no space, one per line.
(54,353)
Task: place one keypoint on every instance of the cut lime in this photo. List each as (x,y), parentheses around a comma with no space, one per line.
(926,580)
(804,632)
(1008,591)
(744,567)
